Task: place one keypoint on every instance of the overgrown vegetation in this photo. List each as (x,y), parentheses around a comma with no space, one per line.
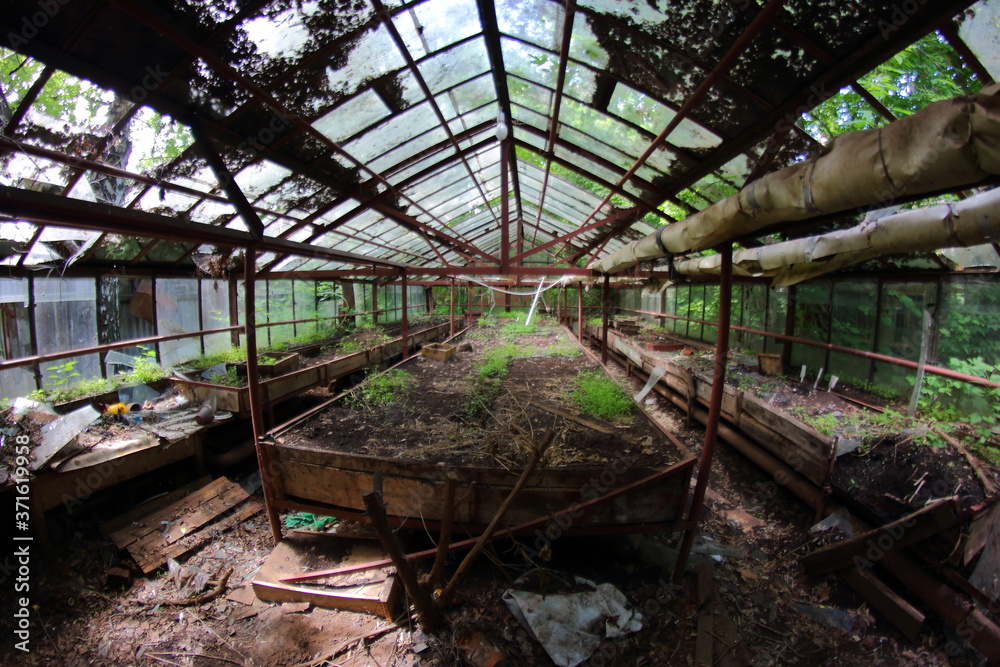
(489,375)
(598,395)
(63,387)
(365,337)
(382,390)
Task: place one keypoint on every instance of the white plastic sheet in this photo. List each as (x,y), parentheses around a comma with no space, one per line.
(565,624)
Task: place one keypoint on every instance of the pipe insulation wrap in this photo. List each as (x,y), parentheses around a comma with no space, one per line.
(970,222)
(946,144)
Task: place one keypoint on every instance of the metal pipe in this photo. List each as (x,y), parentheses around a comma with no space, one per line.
(714,409)
(406,319)
(97,349)
(605,304)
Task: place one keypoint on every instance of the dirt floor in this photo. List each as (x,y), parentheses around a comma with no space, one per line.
(752,535)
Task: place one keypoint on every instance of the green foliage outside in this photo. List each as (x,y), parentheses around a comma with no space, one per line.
(598,395)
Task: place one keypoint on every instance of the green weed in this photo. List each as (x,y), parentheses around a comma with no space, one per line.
(384,389)
(598,395)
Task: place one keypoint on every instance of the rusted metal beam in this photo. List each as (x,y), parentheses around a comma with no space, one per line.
(236,197)
(266,462)
(98,349)
(714,409)
(45,209)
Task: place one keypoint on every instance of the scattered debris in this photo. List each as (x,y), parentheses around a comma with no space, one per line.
(154,538)
(567,625)
(60,433)
(828,616)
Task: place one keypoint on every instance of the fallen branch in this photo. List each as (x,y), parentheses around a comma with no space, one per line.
(536,456)
(216,591)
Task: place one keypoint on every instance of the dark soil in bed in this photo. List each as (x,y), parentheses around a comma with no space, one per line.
(432,423)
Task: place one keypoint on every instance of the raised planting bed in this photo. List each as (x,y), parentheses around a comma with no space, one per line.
(270,365)
(322,372)
(935,503)
(446,420)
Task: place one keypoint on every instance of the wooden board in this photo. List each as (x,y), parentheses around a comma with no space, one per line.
(122,521)
(373,591)
(900,613)
(149,538)
(193,541)
(871,545)
(418,498)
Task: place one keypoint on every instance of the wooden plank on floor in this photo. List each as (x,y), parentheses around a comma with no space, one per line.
(189,543)
(123,521)
(883,599)
(936,516)
(153,522)
(729,649)
(378,595)
(149,538)
(150,551)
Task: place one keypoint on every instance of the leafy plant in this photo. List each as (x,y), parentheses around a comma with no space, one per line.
(145,371)
(383,389)
(518,329)
(598,395)
(230,378)
(63,373)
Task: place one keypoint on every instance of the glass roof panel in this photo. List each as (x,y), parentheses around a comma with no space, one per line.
(981,33)
(653,117)
(460,63)
(373,54)
(433,25)
(433,160)
(584,46)
(603,127)
(395,131)
(537,21)
(361,111)
(528,62)
(467,96)
(258,178)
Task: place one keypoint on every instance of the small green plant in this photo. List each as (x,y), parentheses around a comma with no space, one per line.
(489,375)
(146,370)
(598,395)
(63,373)
(231,355)
(229,378)
(518,329)
(383,389)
